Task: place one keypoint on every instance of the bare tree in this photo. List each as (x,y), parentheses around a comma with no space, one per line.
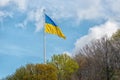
(99,60)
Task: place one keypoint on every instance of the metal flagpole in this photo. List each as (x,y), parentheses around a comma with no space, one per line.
(44,37)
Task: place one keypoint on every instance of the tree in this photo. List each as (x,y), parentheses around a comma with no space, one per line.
(100,60)
(65,65)
(115,39)
(116,35)
(35,72)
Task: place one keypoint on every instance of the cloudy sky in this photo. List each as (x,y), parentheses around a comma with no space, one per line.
(21,28)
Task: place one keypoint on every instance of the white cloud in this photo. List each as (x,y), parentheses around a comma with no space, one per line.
(39,19)
(4,2)
(22,4)
(21,25)
(1,14)
(93,12)
(33,16)
(59,9)
(4,14)
(97,32)
(93,9)
(80,9)
(113,5)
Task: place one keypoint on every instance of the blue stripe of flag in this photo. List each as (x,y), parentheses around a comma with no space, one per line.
(48,20)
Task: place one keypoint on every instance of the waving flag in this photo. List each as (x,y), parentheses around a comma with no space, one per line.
(52,28)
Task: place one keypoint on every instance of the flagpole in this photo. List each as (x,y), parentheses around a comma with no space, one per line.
(44,37)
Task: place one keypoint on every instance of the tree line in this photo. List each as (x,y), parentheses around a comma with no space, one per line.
(98,60)
(61,67)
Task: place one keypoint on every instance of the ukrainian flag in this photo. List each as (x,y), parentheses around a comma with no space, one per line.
(52,28)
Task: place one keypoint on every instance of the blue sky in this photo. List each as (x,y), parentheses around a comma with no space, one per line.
(21,28)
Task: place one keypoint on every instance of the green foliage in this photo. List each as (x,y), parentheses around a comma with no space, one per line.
(65,65)
(116,36)
(35,72)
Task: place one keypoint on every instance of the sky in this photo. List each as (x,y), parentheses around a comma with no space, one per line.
(21,28)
